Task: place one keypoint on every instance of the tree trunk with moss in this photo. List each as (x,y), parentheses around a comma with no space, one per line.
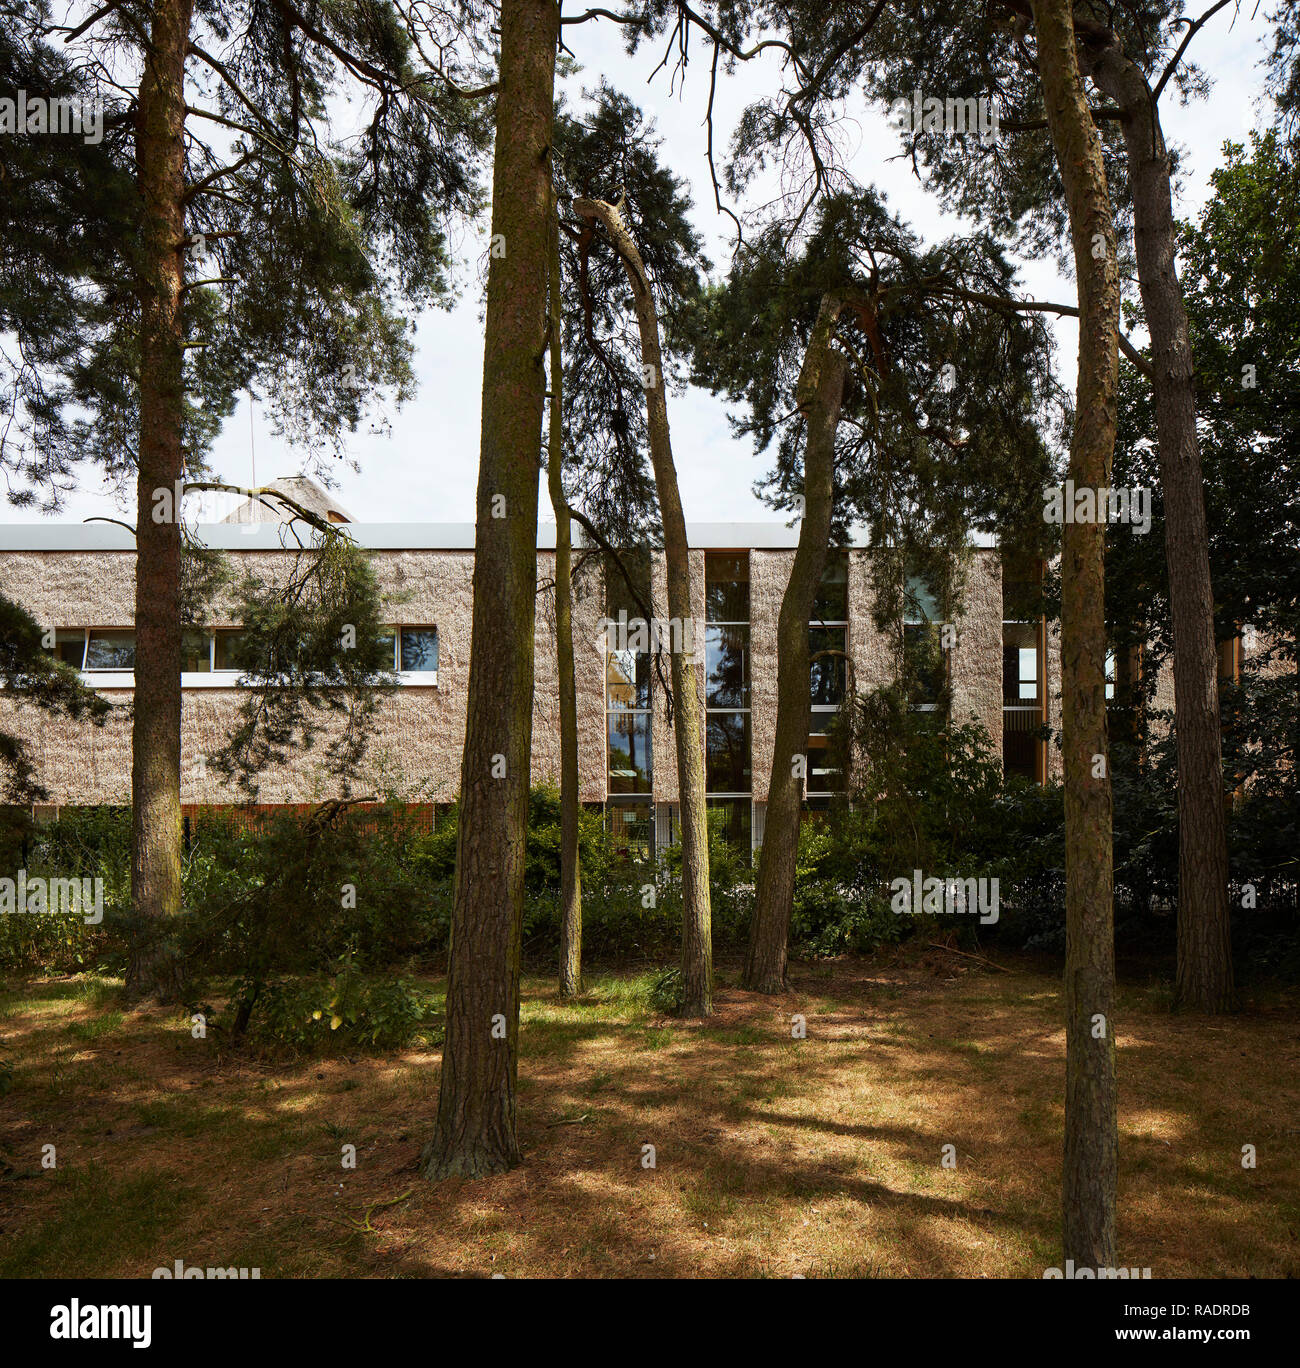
(1091,1135)
(474,1133)
(697,934)
(570,871)
(1204,979)
(819,396)
(153,969)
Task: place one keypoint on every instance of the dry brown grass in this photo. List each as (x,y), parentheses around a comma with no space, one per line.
(774,1156)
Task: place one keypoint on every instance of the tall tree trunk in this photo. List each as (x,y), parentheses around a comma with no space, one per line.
(697,934)
(819,396)
(1205,981)
(1091,1135)
(474,1133)
(153,970)
(570,873)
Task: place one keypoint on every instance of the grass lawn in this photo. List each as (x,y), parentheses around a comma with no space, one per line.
(773,1155)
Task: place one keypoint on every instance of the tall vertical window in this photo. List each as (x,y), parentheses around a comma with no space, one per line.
(828,637)
(727,749)
(925,665)
(1023,693)
(628,717)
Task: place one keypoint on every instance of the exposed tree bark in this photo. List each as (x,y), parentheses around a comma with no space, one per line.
(1091,1134)
(697,934)
(156,826)
(475,1133)
(570,873)
(819,395)
(1205,979)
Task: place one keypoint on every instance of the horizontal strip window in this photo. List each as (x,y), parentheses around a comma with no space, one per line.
(106,655)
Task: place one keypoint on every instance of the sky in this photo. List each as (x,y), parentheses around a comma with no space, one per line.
(422,466)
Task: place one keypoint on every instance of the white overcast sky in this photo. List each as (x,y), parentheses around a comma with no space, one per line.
(426,470)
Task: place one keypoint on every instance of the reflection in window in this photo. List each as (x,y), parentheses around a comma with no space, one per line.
(419,649)
(726,664)
(630,764)
(925,664)
(627,679)
(196,653)
(631,827)
(726,755)
(832,601)
(726,587)
(828,667)
(225,648)
(727,743)
(732,819)
(110,650)
(70,646)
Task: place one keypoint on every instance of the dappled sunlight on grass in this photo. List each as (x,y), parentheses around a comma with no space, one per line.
(915,1131)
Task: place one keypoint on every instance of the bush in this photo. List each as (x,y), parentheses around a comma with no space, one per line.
(85,843)
(319,1015)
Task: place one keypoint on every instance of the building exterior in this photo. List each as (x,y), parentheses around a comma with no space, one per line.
(78,580)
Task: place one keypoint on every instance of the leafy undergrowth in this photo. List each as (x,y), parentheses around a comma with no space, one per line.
(773,1154)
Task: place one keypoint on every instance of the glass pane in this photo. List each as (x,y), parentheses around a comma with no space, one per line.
(919,601)
(627,679)
(727,753)
(631,828)
(821,721)
(388,640)
(923,663)
(829,673)
(1021,740)
(832,601)
(726,588)
(824,774)
(196,653)
(225,648)
(111,651)
(419,648)
(726,665)
(1019,662)
(1110,674)
(70,646)
(618,597)
(630,765)
(733,822)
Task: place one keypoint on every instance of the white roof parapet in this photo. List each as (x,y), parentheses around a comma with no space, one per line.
(270,536)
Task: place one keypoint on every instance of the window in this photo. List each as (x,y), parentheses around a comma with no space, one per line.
(726,587)
(832,601)
(733,818)
(925,664)
(726,665)
(225,648)
(417,649)
(196,653)
(629,721)
(631,764)
(726,753)
(728,777)
(1110,676)
(828,641)
(1023,696)
(631,827)
(70,646)
(110,650)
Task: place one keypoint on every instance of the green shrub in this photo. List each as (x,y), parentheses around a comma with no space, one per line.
(321,1015)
